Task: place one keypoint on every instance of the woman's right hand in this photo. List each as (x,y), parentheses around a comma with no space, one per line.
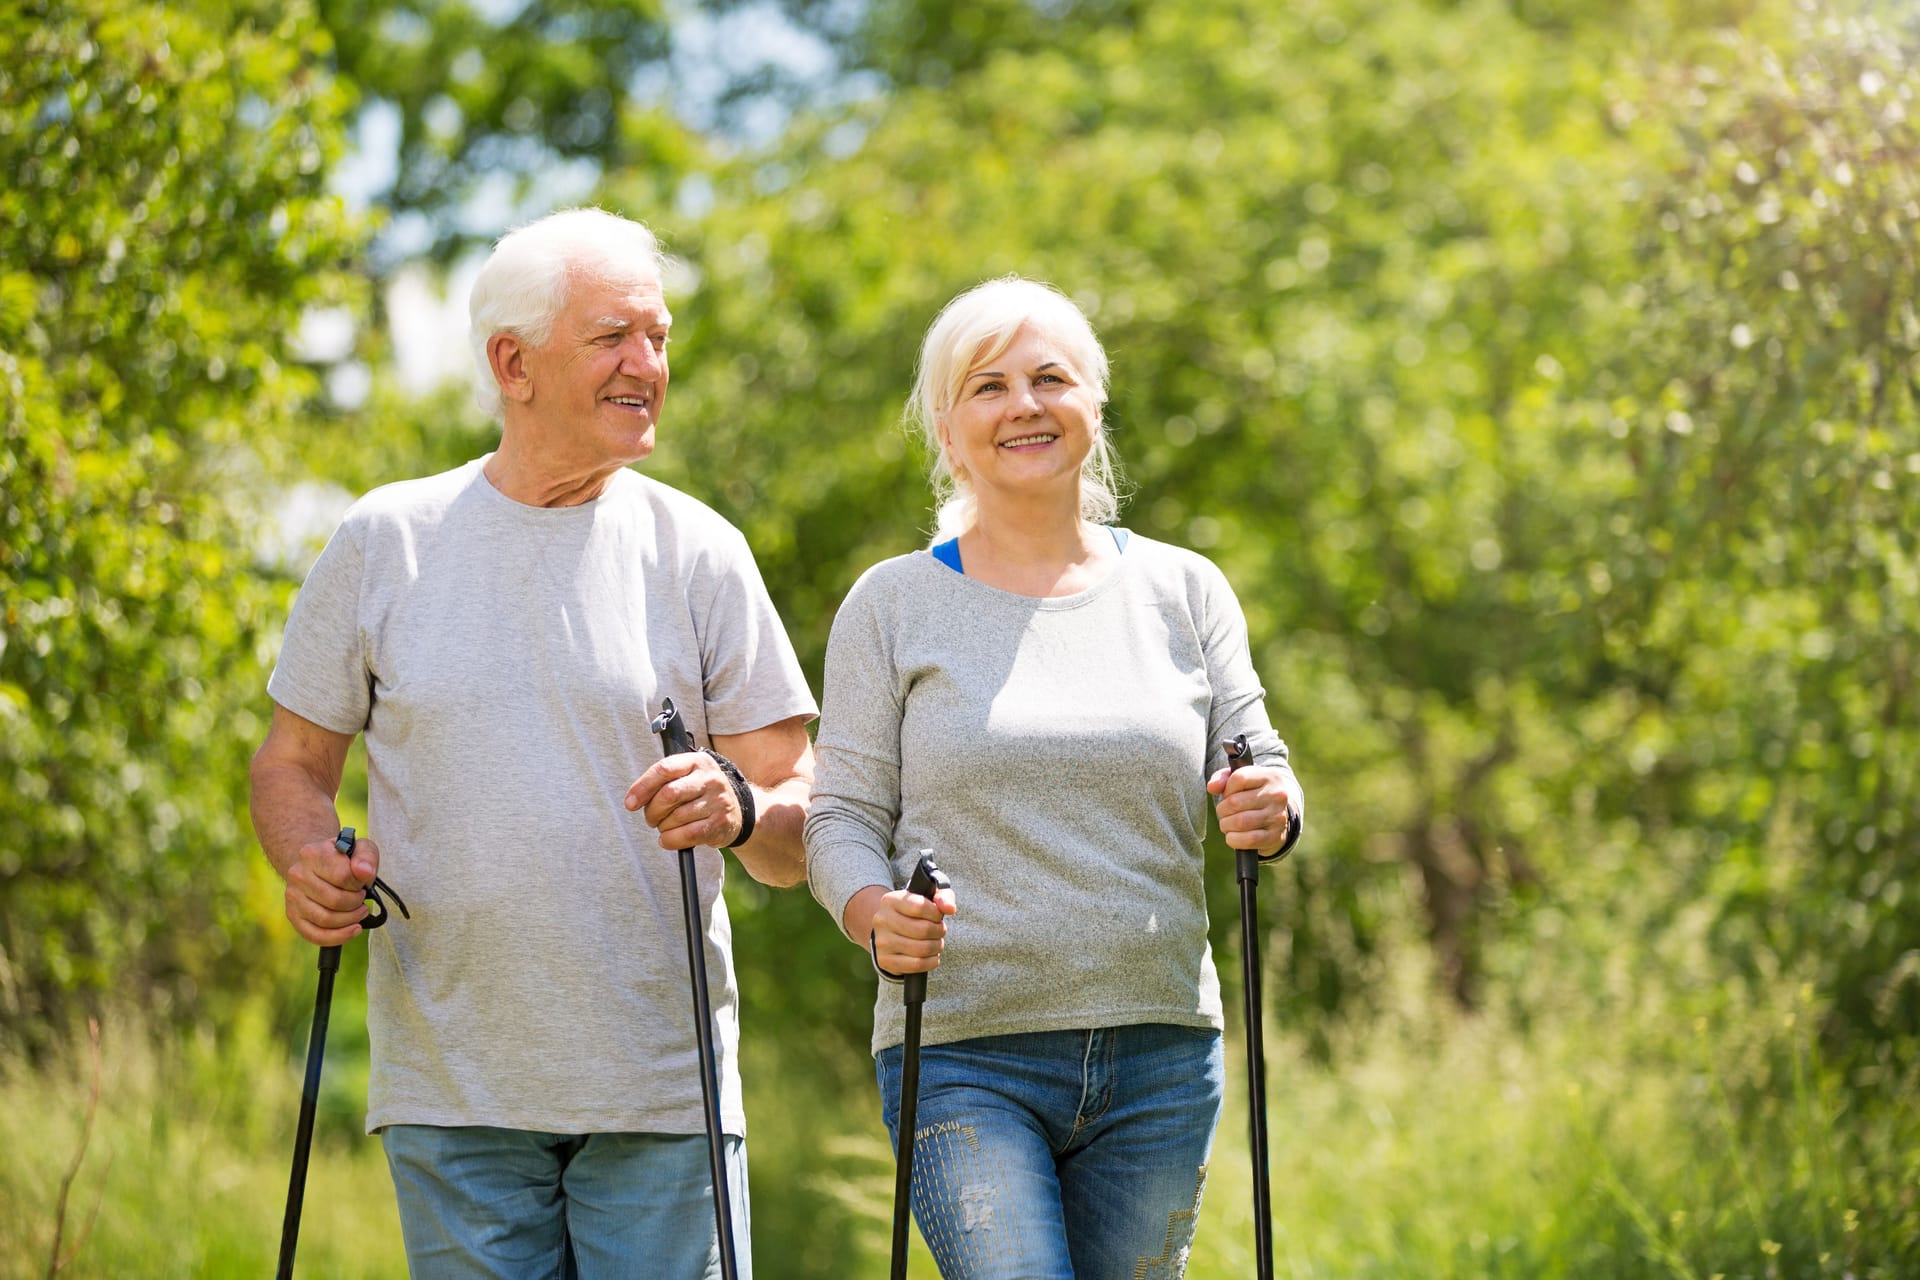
(908,931)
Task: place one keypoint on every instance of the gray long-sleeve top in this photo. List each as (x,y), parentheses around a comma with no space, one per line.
(1053,754)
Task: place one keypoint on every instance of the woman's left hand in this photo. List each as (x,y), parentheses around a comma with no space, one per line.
(1256,803)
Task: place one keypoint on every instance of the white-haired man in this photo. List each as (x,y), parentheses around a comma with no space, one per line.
(502,634)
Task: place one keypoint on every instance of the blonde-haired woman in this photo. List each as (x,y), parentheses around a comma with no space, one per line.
(1041,699)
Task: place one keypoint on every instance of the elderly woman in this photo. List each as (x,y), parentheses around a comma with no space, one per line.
(1041,700)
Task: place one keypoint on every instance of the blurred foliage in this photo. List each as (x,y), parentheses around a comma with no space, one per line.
(1756,594)
(1542,375)
(485,93)
(162,225)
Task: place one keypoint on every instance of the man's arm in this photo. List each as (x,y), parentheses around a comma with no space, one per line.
(295,776)
(689,801)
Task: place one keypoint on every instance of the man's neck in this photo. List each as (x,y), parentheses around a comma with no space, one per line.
(539,482)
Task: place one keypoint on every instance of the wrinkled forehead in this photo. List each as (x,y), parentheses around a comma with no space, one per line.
(597,300)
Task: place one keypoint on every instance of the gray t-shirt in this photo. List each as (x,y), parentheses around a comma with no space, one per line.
(1053,754)
(504,662)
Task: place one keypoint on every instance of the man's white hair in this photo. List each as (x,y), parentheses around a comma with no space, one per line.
(523,286)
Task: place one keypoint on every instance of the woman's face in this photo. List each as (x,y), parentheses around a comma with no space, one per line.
(1023,421)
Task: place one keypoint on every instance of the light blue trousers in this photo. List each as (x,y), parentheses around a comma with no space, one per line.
(507,1204)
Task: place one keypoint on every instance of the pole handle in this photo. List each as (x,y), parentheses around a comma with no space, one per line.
(927,879)
(675,740)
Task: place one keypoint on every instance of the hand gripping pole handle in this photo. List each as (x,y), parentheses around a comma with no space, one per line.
(1246,861)
(927,880)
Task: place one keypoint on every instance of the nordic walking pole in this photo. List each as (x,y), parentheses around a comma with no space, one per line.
(927,880)
(316,1050)
(1246,868)
(675,740)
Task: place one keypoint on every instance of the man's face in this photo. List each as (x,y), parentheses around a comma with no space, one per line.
(598,381)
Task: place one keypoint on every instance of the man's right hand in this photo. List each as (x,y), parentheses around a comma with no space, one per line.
(327,890)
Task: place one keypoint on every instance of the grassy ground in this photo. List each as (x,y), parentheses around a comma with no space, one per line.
(1659,1146)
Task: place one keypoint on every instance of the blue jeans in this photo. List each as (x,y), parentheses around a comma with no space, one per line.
(1062,1154)
(483,1203)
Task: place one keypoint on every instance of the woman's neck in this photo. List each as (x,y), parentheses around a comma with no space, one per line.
(1043,553)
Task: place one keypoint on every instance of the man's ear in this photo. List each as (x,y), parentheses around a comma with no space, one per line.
(507,356)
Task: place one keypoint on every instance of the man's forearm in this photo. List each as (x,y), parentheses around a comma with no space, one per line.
(775,855)
(290,809)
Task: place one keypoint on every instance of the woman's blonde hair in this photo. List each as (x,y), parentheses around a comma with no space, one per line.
(977,326)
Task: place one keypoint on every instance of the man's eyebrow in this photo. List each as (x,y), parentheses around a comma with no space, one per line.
(621,322)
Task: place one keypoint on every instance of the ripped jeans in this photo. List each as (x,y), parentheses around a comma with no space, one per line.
(1062,1155)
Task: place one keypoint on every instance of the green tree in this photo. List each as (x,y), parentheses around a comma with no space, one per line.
(1764,395)
(482,96)
(162,229)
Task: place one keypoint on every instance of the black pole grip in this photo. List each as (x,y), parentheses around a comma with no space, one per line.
(1246,862)
(674,738)
(927,879)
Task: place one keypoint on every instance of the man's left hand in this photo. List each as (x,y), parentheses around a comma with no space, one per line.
(689,801)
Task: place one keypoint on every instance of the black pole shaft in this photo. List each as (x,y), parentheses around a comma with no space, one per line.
(709,1062)
(916,994)
(1247,868)
(309,1103)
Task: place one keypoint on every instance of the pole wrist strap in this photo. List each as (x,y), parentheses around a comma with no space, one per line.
(742,792)
(873,953)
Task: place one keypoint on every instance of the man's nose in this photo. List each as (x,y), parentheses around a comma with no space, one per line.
(641,359)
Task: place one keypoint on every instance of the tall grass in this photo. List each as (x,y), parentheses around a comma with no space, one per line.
(1660,1143)
(187,1163)
(1704,1147)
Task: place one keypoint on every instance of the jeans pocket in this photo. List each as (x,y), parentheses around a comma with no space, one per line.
(886,1070)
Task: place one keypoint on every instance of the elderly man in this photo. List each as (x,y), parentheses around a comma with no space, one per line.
(502,634)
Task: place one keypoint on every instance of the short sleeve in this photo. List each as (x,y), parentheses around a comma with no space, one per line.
(751,677)
(322,673)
